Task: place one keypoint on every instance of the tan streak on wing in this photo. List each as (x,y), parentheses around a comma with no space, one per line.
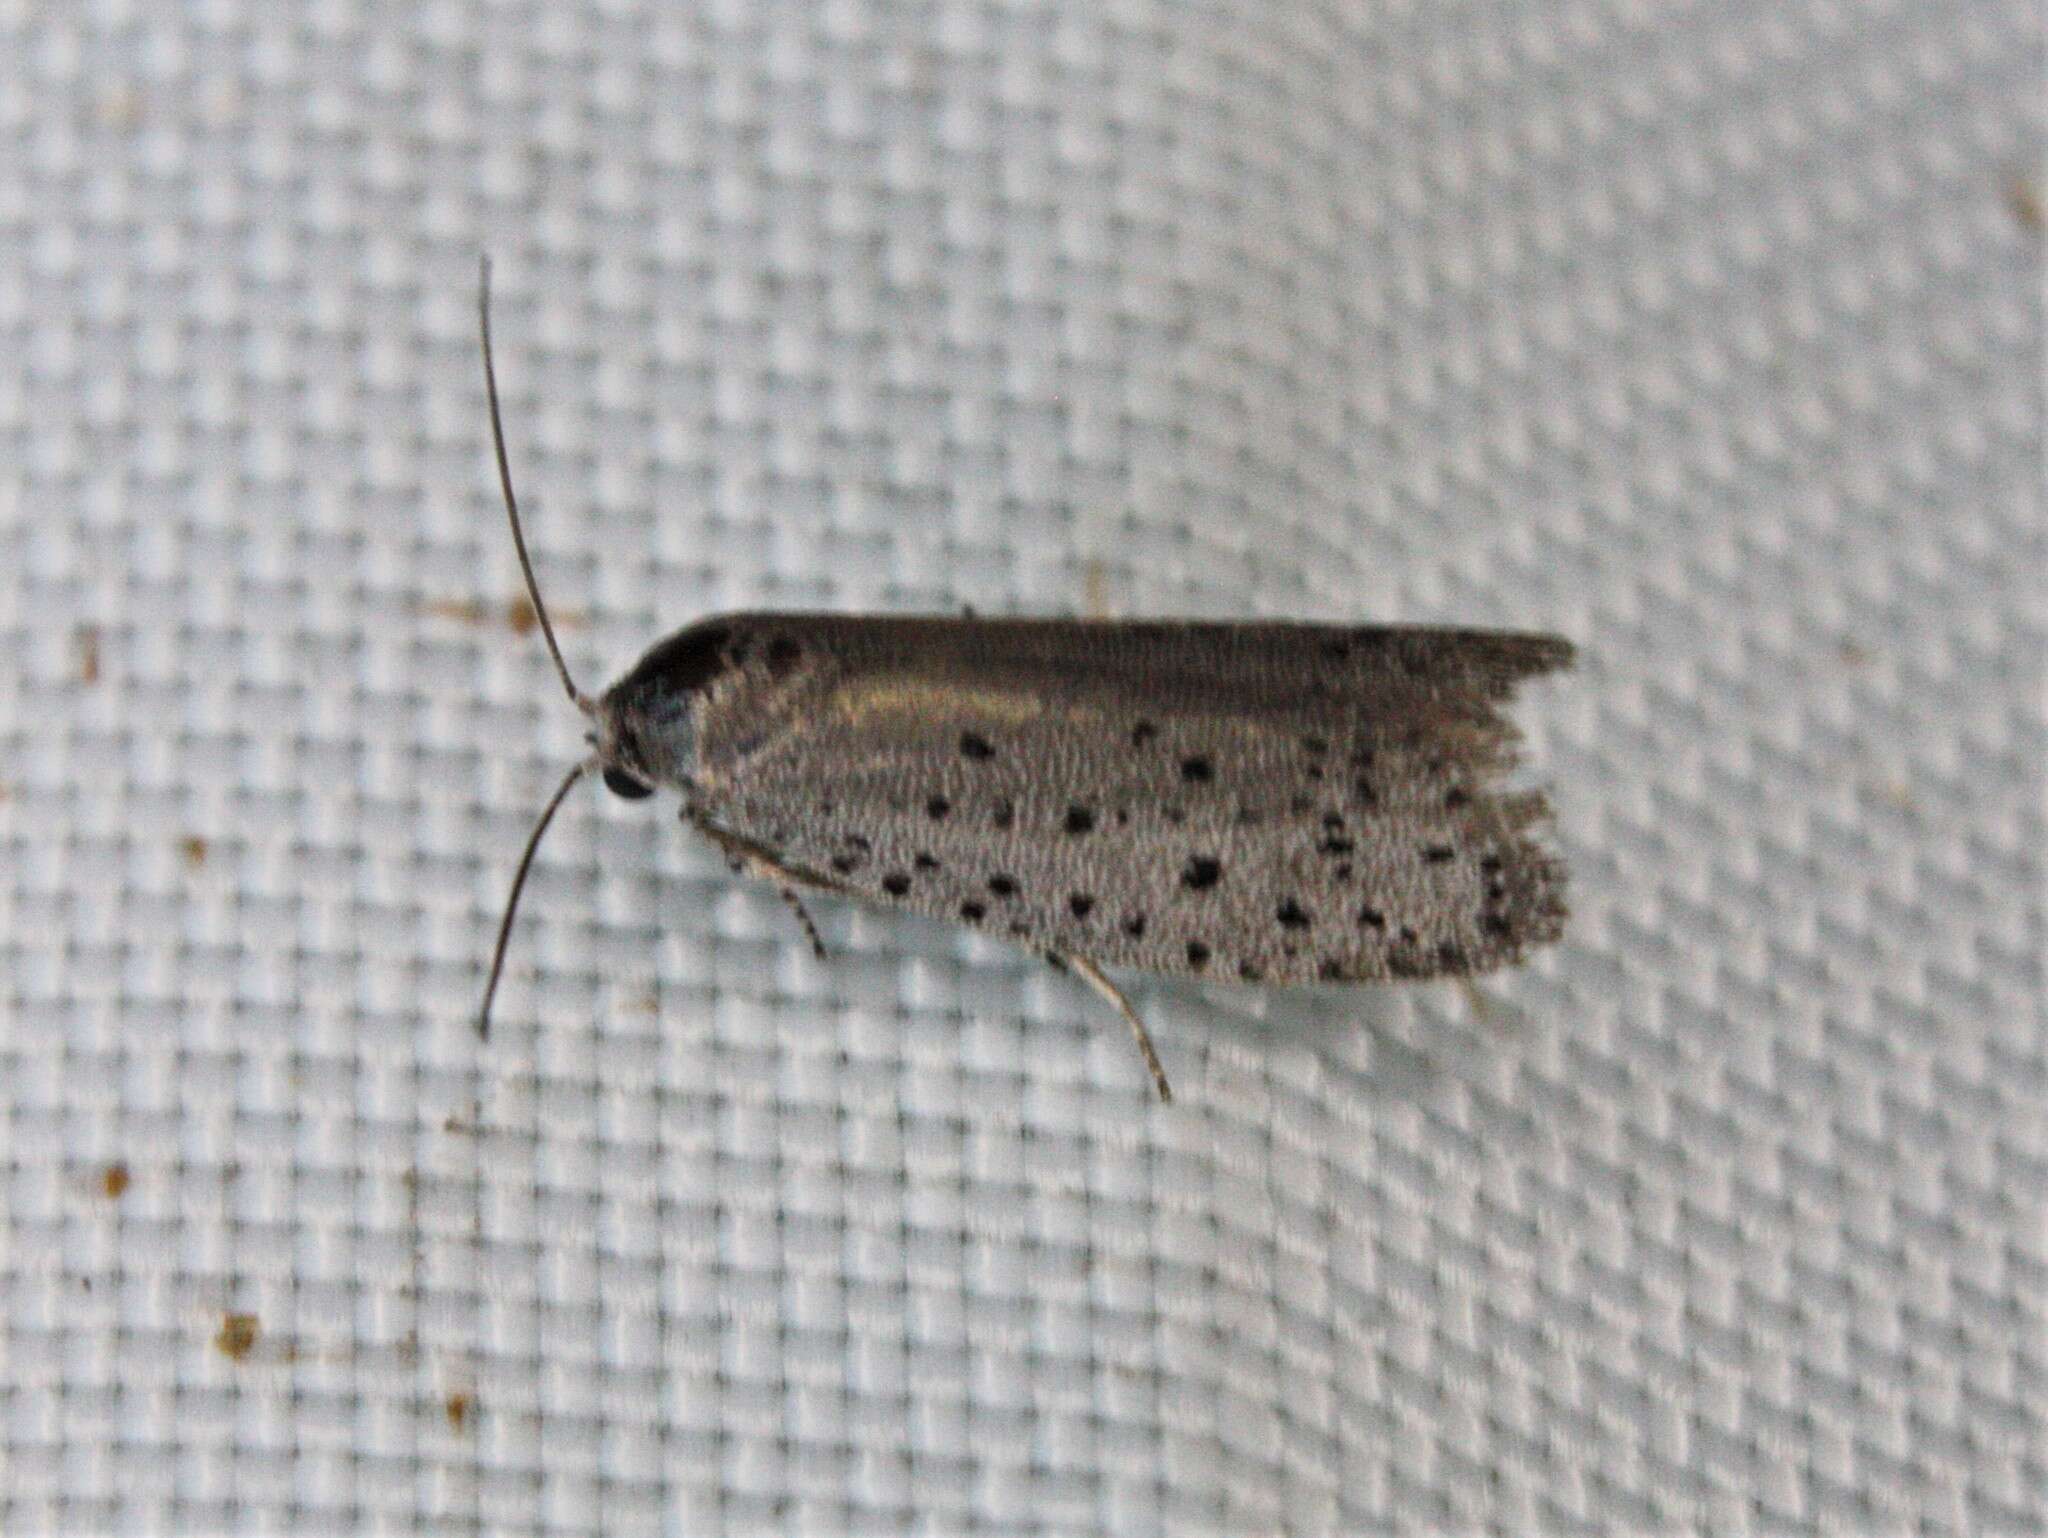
(859,701)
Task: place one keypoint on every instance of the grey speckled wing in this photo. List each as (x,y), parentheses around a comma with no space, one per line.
(1264,803)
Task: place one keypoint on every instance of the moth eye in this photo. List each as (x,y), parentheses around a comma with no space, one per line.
(627,786)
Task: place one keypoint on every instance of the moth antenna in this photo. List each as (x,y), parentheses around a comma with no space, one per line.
(483,1019)
(547,630)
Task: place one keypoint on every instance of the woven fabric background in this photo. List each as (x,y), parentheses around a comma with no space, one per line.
(1708,335)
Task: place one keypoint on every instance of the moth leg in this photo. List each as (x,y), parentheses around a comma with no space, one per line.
(803,917)
(749,859)
(1093,976)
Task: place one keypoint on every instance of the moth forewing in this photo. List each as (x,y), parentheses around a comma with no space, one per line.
(1253,803)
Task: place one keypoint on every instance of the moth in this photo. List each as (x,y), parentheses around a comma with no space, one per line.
(1253,803)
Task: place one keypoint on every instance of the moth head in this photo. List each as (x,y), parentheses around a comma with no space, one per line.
(647,722)
(636,754)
